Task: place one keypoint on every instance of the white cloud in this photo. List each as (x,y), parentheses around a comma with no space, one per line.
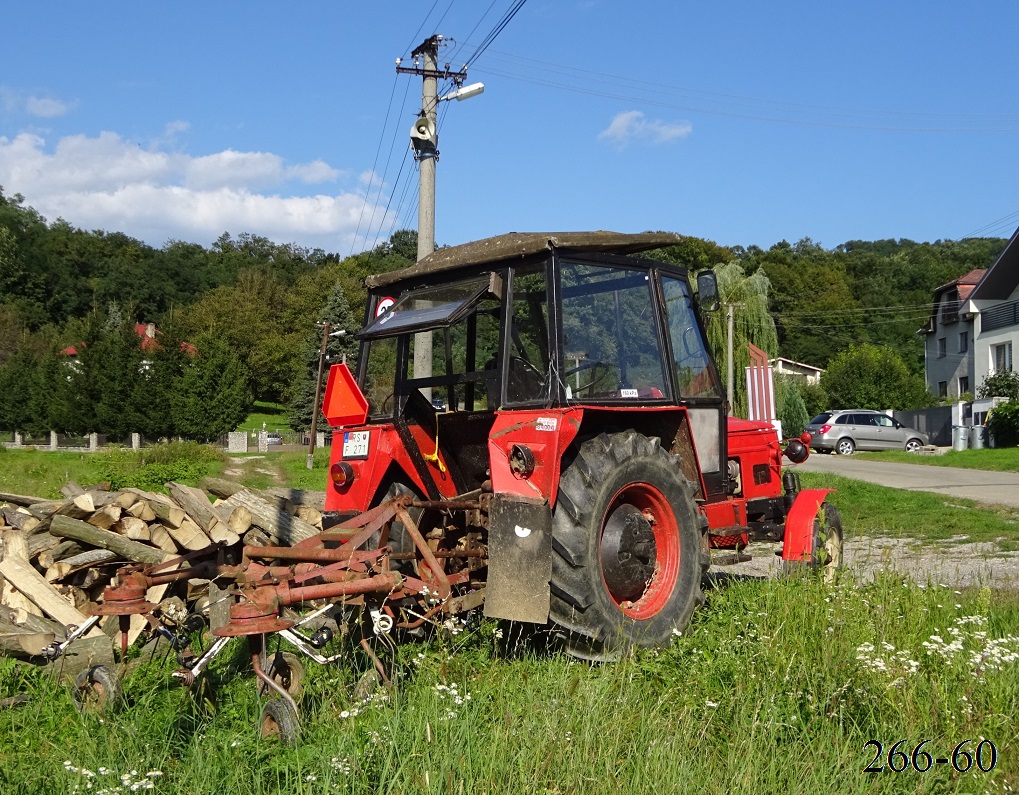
(14,101)
(45,107)
(632,125)
(107,182)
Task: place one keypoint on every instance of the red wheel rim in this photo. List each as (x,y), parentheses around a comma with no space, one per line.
(665,531)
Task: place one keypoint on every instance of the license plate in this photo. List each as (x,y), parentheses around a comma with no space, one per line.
(355,444)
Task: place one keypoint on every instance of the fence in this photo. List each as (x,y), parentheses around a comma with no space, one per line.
(235,442)
(936,422)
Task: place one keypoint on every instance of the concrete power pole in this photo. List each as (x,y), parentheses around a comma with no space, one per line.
(425,139)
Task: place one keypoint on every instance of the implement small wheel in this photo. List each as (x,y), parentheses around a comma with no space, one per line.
(627,556)
(279,721)
(286,670)
(826,546)
(97,689)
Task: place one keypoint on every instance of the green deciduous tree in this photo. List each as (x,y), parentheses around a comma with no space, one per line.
(752,323)
(873,377)
(1003,383)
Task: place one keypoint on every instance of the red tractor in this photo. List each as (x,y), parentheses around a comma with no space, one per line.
(541,422)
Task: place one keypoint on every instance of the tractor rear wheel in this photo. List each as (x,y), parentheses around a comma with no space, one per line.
(627,552)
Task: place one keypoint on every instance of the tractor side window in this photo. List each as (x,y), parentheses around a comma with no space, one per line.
(528,367)
(693,373)
(380,377)
(461,376)
(611,348)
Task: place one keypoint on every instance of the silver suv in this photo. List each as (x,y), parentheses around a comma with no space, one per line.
(847,430)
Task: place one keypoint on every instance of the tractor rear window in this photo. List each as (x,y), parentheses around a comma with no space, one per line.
(611,347)
(427,308)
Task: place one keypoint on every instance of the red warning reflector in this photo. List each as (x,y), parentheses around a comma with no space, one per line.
(344,402)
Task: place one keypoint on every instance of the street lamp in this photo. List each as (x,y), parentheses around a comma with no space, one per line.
(318,389)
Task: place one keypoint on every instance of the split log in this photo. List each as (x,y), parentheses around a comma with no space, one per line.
(63,549)
(195,503)
(125,499)
(312,516)
(281,526)
(13,599)
(222,534)
(169,515)
(19,573)
(161,539)
(106,517)
(18,517)
(85,560)
(140,509)
(221,487)
(133,528)
(188,534)
(20,499)
(256,537)
(71,489)
(21,641)
(66,527)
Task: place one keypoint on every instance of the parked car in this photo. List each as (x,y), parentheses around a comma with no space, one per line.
(847,430)
(273,437)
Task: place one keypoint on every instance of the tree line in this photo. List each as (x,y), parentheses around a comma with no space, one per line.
(248,307)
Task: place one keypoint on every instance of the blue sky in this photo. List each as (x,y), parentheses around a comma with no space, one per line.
(742,122)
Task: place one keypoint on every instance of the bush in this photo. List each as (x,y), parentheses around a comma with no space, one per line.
(1003,424)
(792,412)
(1003,383)
(149,469)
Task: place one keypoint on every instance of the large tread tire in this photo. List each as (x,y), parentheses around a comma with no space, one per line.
(616,480)
(97,689)
(826,546)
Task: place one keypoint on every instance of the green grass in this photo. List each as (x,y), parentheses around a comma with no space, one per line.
(871,510)
(271,416)
(775,687)
(42,473)
(1004,459)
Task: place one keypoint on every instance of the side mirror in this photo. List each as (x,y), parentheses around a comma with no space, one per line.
(707,291)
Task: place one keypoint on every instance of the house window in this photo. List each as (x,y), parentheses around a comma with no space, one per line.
(1001,357)
(942,347)
(963,384)
(942,389)
(963,341)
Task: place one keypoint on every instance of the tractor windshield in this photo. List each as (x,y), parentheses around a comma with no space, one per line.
(611,345)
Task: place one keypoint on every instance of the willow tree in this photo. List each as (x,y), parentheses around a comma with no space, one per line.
(752,323)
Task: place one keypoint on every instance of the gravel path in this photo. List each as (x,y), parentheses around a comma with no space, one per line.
(956,563)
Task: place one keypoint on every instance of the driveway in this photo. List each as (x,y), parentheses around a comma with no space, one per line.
(972,484)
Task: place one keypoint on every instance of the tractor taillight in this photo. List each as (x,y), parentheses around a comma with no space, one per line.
(824,429)
(341,474)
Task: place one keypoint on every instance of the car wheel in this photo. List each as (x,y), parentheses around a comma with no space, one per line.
(913,446)
(845,446)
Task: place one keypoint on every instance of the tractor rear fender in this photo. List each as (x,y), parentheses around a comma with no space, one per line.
(519,559)
(799,523)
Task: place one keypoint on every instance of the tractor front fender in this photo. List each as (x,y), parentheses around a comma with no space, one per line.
(798,541)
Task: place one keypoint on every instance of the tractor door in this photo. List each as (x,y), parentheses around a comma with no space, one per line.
(697,382)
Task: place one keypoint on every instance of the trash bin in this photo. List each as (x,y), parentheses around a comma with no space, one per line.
(978,437)
(960,437)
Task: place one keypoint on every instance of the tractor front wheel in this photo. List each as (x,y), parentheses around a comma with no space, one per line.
(826,546)
(627,553)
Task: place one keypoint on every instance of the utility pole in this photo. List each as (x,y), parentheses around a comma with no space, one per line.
(730,367)
(425,140)
(315,409)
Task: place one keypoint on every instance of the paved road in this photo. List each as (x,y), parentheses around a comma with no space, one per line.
(973,484)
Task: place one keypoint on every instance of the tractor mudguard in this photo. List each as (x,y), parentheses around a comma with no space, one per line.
(799,524)
(519,559)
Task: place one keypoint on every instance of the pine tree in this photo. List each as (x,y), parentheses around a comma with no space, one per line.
(338,315)
(212,396)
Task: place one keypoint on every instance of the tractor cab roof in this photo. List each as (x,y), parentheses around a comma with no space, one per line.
(517,245)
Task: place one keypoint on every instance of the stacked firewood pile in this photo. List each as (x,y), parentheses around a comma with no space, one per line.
(57,556)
